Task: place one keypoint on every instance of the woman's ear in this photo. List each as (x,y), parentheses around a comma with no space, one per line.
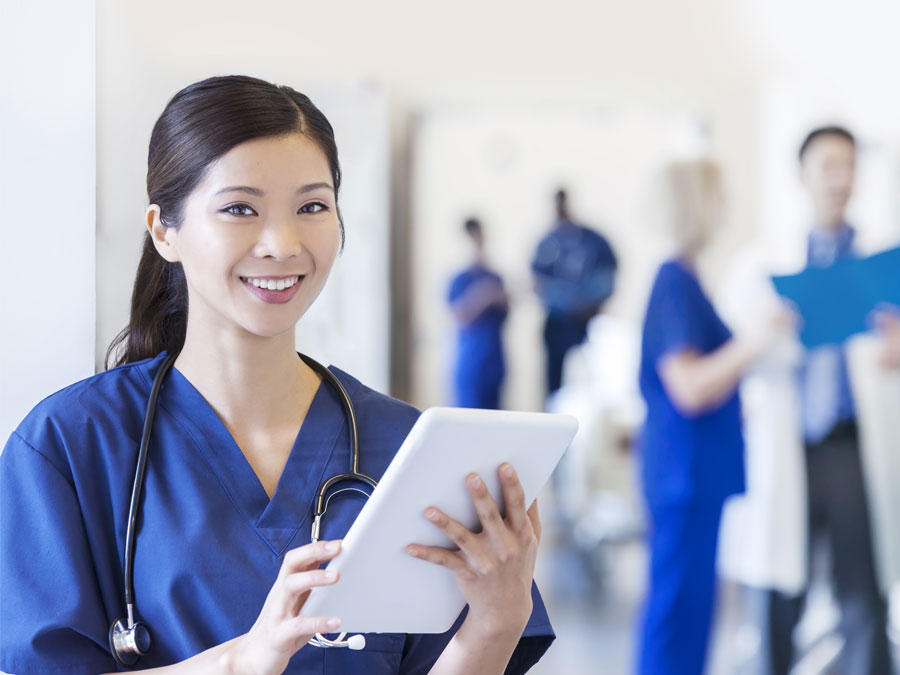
(163,237)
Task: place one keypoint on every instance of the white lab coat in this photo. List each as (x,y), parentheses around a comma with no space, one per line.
(763,538)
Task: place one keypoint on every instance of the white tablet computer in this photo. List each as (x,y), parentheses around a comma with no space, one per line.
(383,589)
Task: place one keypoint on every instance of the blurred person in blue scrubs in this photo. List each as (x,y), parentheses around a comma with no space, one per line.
(691,447)
(480,305)
(243,228)
(835,482)
(574,271)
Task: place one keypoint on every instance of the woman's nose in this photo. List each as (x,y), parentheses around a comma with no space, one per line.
(279,239)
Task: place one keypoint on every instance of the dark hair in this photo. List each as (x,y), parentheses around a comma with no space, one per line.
(201,123)
(833,130)
(472,226)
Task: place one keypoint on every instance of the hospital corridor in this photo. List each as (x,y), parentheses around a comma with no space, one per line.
(477,337)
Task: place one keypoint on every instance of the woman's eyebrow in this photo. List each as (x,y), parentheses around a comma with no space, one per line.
(241,188)
(314,186)
(303,189)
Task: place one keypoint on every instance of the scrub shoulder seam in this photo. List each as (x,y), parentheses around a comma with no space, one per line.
(44,457)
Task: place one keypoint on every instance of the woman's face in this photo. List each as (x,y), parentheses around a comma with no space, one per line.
(259,236)
(710,217)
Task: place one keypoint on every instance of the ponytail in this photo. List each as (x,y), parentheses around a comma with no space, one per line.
(159,304)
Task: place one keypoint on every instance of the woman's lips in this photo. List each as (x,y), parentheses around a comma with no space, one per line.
(272,297)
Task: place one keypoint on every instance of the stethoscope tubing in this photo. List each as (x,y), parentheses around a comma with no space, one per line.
(138,485)
(124,634)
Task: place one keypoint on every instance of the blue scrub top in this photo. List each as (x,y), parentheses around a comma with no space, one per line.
(685,457)
(210,542)
(575,267)
(479,356)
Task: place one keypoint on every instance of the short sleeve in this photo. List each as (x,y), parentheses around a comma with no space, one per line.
(457,287)
(422,651)
(605,256)
(51,614)
(674,322)
(545,255)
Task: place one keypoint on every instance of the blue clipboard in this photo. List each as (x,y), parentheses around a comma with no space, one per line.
(835,302)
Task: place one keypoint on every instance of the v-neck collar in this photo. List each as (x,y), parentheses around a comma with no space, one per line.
(276,520)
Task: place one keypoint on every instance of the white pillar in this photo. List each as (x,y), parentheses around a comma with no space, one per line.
(47,193)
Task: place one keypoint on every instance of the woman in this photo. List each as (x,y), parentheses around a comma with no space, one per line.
(692,448)
(480,305)
(243,228)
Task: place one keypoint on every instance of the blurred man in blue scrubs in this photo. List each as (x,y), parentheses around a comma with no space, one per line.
(480,304)
(574,269)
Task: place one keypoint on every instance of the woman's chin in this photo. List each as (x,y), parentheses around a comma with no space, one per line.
(269,330)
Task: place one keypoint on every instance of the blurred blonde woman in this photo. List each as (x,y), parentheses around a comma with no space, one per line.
(691,447)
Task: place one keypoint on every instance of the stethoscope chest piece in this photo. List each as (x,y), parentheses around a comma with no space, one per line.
(128,644)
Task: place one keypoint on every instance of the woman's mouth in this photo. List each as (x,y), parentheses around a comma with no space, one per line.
(273,290)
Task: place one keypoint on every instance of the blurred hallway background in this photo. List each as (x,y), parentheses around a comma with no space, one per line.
(441,113)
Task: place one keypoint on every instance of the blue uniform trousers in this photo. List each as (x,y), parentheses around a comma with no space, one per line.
(561,333)
(679,607)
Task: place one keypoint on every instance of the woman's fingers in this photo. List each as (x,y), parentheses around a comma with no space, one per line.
(458,533)
(517,518)
(298,582)
(439,556)
(513,497)
(309,556)
(295,588)
(485,506)
(535,517)
(302,628)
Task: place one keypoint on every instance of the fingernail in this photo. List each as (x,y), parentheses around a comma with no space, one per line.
(333,623)
(432,515)
(332,546)
(411,550)
(474,481)
(507,471)
(330,575)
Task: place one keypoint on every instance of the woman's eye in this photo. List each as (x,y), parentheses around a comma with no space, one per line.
(239,210)
(313,207)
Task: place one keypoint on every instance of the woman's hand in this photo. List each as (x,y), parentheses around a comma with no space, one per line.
(279,631)
(781,320)
(495,567)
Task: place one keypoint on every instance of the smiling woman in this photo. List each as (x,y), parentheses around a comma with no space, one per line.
(187,149)
(265,211)
(243,229)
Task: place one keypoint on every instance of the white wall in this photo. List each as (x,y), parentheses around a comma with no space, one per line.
(47,145)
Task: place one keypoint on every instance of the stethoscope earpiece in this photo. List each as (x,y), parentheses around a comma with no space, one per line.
(128,644)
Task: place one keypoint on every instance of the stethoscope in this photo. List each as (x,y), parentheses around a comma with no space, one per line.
(129,639)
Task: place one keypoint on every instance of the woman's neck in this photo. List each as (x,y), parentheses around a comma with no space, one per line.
(250,381)
(688,257)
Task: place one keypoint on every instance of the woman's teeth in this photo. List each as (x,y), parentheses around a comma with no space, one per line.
(272,284)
